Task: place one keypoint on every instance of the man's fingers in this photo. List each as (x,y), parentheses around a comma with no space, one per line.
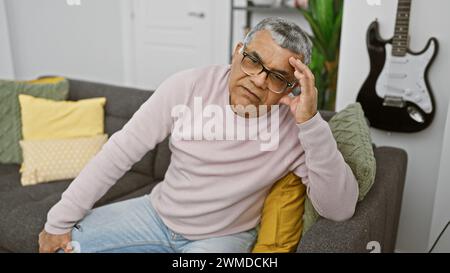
(305,69)
(49,243)
(299,75)
(294,63)
(298,65)
(66,245)
(301,67)
(68,249)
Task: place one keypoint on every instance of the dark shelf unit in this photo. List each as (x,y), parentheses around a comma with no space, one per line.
(250,9)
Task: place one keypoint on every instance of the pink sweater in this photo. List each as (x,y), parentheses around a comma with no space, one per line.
(213,187)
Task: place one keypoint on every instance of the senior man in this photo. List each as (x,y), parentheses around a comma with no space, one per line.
(213,191)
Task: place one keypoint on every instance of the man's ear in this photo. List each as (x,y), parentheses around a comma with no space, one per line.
(238,49)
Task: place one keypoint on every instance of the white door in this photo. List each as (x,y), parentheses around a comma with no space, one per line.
(170,36)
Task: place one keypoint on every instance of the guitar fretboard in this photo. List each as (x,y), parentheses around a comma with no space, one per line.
(400,40)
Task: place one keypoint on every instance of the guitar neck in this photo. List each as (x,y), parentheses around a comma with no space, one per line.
(400,40)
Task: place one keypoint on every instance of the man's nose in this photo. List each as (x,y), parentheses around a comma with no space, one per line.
(260,80)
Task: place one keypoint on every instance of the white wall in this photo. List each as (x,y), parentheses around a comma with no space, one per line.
(93,41)
(51,37)
(441,212)
(6,64)
(429,18)
(221,33)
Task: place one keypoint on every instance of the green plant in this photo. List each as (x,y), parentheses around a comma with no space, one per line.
(325,20)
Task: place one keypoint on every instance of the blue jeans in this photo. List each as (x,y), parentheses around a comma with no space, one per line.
(134,226)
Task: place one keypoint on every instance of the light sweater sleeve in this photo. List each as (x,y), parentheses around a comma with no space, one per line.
(149,125)
(331,185)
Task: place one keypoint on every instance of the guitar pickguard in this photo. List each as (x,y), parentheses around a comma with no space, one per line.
(404,78)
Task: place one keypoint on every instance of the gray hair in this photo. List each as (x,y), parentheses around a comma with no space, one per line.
(286,34)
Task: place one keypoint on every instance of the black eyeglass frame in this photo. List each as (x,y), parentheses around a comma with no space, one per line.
(264,69)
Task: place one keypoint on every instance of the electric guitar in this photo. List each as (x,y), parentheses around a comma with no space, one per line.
(396,96)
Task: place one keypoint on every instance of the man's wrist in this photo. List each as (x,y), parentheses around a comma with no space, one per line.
(306,119)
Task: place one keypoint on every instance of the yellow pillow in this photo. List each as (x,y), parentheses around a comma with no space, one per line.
(57,159)
(281,219)
(49,80)
(49,119)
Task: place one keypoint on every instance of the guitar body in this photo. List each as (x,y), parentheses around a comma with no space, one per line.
(396,96)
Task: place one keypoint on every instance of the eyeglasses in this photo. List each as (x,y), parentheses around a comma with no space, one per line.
(276,82)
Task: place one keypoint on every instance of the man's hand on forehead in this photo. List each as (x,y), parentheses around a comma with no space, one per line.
(304,106)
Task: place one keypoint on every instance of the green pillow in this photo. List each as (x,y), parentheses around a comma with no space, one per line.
(352,135)
(10,120)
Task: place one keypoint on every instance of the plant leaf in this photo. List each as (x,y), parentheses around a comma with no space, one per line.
(321,48)
(312,8)
(314,27)
(325,17)
(335,37)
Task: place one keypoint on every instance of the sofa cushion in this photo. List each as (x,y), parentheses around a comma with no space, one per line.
(56,159)
(352,134)
(24,209)
(117,110)
(117,106)
(9,177)
(281,224)
(129,183)
(22,221)
(31,193)
(8,168)
(137,193)
(145,165)
(353,139)
(10,122)
(49,119)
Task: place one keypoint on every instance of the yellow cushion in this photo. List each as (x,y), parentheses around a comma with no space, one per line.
(49,80)
(57,159)
(281,219)
(49,119)
(10,121)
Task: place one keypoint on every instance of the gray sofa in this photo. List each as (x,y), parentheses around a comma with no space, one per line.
(23,209)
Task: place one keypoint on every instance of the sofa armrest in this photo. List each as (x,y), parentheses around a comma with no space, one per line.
(327,236)
(376,217)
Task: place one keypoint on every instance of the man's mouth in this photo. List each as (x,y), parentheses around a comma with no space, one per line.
(251,93)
